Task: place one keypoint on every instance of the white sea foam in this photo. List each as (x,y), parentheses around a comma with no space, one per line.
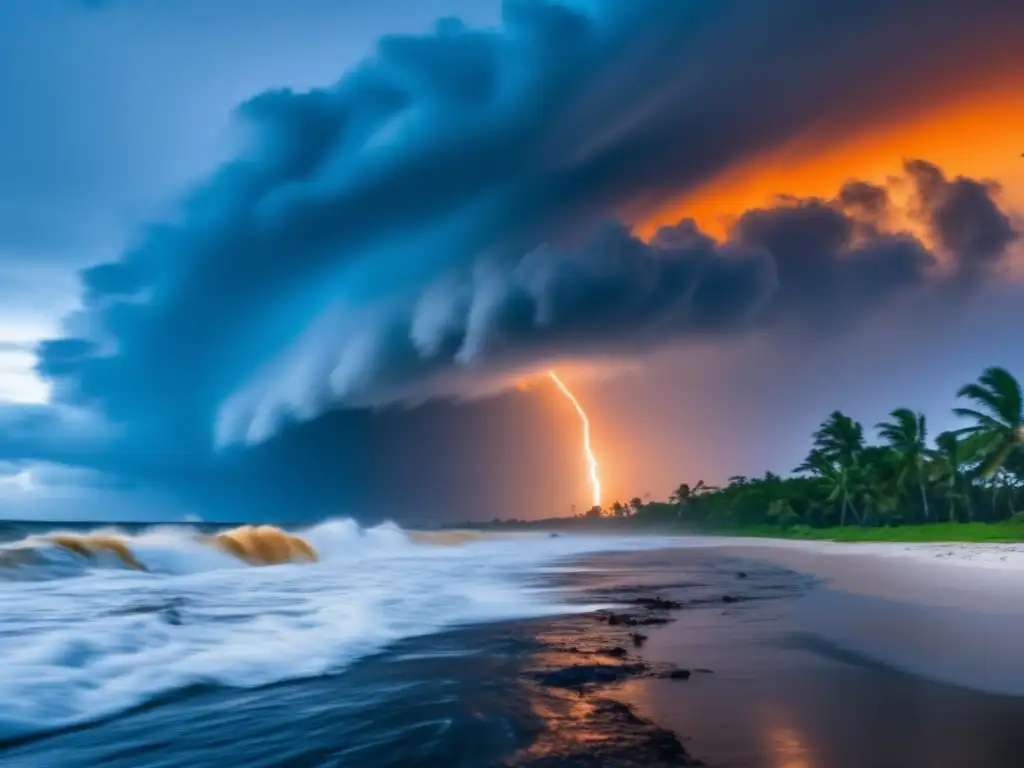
(93,639)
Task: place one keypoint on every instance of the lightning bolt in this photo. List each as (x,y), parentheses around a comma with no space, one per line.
(595,480)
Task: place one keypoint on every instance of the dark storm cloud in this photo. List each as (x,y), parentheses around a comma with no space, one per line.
(438,218)
(809,264)
(52,433)
(963,217)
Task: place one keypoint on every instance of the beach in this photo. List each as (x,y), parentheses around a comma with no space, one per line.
(951,612)
(892,657)
(529,651)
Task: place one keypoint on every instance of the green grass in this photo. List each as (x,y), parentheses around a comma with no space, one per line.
(1007,531)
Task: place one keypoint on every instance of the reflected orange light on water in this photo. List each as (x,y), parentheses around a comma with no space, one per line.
(787,749)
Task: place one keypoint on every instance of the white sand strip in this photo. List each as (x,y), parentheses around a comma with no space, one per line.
(951,612)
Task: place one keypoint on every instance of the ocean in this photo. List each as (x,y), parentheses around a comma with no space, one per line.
(401,649)
(88,641)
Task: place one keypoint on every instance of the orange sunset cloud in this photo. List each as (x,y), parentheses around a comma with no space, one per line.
(979,133)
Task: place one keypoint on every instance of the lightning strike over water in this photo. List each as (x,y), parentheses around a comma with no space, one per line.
(595,480)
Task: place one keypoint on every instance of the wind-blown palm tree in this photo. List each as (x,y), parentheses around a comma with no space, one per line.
(877,482)
(636,504)
(839,481)
(681,496)
(999,417)
(684,495)
(840,438)
(836,458)
(948,461)
(907,436)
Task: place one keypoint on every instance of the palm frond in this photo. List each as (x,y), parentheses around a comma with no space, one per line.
(984,420)
(995,459)
(982,396)
(1002,383)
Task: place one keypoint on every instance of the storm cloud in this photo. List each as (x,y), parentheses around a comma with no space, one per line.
(455,211)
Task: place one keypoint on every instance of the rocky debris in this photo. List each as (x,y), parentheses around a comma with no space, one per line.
(741,575)
(609,735)
(583,675)
(583,729)
(730,599)
(676,674)
(658,604)
(631,620)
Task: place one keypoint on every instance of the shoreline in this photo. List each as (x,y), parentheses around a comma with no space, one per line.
(792,684)
(986,577)
(719,676)
(763,687)
(951,613)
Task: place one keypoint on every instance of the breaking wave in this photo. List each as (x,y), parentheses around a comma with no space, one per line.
(57,554)
(97,623)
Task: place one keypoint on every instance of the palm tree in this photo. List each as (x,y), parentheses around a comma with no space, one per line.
(948,461)
(840,438)
(681,496)
(907,435)
(999,418)
(836,458)
(702,487)
(839,481)
(636,504)
(684,495)
(877,482)
(618,509)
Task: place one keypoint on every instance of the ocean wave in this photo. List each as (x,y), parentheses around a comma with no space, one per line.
(89,636)
(183,549)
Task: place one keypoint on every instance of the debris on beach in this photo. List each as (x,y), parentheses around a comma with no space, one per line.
(582,675)
(676,674)
(638,639)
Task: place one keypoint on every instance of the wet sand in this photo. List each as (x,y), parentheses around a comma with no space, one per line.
(950,612)
(783,694)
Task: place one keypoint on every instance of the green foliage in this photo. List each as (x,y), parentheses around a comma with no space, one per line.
(850,490)
(998,427)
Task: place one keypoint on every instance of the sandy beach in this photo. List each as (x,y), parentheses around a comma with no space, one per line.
(877,657)
(950,612)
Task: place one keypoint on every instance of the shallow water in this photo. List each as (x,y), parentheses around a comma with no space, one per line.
(83,640)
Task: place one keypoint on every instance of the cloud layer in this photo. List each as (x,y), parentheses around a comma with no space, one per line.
(455,211)
(810,264)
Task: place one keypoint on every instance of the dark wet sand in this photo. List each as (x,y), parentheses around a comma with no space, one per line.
(782,697)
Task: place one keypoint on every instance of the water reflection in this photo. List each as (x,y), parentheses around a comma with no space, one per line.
(787,747)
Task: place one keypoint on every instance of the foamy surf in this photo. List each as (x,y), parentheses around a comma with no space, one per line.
(153,551)
(89,637)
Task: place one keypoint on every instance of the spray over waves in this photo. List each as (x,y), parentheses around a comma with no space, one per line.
(87,637)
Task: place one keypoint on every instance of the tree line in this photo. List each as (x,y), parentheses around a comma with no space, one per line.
(975,473)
